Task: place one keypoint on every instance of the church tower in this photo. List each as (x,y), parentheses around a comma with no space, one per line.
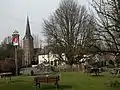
(28,46)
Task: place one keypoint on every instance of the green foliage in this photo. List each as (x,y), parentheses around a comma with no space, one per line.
(114,83)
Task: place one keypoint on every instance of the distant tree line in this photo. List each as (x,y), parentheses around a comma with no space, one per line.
(7,56)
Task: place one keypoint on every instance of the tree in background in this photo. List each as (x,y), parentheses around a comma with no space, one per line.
(108,24)
(71,28)
(6,49)
(37,41)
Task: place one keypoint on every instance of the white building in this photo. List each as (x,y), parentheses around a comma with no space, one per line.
(52,59)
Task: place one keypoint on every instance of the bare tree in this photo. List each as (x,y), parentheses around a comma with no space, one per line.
(7,40)
(71,28)
(37,41)
(6,49)
(108,23)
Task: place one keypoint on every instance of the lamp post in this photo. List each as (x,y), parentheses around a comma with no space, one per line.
(15,41)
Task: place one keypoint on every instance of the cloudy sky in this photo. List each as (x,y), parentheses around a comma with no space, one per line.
(13,15)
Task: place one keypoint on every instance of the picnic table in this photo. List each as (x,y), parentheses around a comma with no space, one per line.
(46,79)
(5,75)
(95,70)
(115,71)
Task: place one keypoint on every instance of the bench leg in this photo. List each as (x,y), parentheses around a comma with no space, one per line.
(38,85)
(56,84)
(10,78)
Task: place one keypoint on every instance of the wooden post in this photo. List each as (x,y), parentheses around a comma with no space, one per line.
(16,61)
(15,42)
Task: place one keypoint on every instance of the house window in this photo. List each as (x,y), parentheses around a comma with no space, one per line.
(51,62)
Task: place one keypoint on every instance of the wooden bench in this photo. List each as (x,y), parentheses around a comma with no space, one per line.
(5,75)
(46,79)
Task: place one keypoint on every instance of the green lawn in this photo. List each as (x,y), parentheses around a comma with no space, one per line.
(69,81)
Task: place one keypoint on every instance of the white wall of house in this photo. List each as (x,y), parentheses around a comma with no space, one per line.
(51,58)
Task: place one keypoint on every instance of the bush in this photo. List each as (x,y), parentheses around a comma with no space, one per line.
(113,83)
(32,73)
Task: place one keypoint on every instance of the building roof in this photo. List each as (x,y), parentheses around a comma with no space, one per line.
(37,51)
(28,32)
(15,32)
(45,50)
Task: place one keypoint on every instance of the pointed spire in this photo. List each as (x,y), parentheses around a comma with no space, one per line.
(28,32)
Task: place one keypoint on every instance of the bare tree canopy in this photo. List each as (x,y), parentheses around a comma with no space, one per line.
(108,21)
(37,41)
(7,40)
(71,28)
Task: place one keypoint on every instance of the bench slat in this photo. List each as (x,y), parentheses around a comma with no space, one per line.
(44,79)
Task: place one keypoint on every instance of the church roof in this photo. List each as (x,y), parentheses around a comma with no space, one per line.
(37,51)
(28,32)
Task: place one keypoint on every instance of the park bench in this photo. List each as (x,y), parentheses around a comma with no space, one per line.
(5,75)
(46,79)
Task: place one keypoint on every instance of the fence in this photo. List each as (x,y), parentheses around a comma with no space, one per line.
(68,68)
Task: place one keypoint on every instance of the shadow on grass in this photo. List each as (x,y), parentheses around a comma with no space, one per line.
(11,81)
(17,81)
(51,87)
(97,75)
(2,82)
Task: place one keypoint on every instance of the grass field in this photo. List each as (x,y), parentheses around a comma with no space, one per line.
(69,81)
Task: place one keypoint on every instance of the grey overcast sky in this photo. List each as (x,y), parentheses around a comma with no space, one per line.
(13,15)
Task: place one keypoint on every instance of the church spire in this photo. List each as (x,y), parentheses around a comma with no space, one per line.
(28,32)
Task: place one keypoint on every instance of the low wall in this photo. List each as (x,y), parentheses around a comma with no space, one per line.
(27,71)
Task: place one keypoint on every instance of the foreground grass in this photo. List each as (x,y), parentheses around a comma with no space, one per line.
(69,81)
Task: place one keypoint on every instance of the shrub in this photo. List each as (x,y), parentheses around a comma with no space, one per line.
(113,83)
(32,73)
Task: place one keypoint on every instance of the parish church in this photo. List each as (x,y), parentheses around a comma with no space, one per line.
(29,52)
(33,56)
